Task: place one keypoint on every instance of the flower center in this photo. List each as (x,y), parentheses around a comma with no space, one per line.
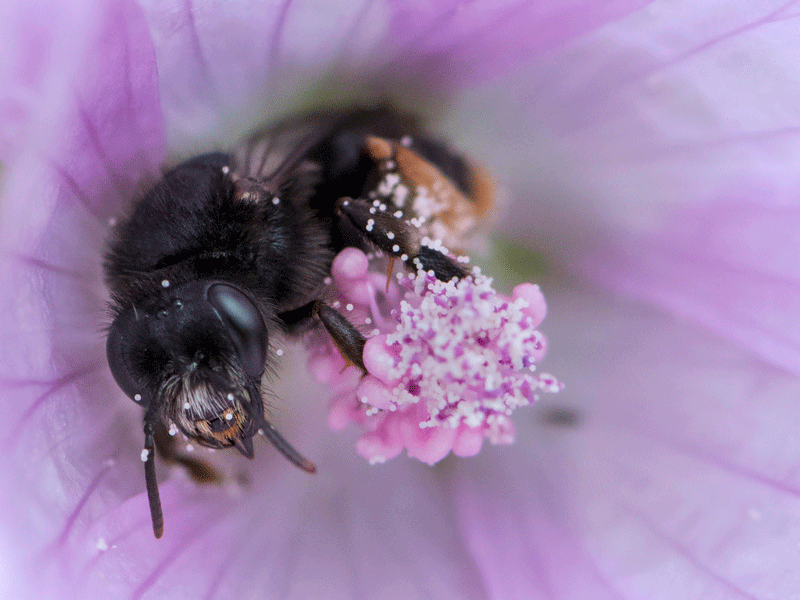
(448,362)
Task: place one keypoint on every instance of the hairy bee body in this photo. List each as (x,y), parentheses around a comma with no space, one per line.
(227,249)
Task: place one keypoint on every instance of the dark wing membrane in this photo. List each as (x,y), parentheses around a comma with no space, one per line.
(271,153)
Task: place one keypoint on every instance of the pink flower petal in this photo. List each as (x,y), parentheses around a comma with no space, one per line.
(678,478)
(678,481)
(219,61)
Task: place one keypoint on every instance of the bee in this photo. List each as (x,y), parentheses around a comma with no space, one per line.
(228,250)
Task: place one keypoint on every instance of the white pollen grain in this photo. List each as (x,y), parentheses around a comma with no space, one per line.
(229,417)
(226,169)
(137,397)
(186,406)
(145,454)
(276,200)
(102,545)
(189,448)
(231,397)
(165,283)
(349,307)
(279,352)
(390,235)
(395,248)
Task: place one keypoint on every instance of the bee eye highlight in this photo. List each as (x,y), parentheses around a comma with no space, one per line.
(244,324)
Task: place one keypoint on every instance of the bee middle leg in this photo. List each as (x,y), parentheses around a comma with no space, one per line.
(349,341)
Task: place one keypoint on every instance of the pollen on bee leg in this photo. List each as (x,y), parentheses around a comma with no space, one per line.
(145,454)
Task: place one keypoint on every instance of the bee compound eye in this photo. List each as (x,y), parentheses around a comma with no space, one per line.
(244,324)
(121,338)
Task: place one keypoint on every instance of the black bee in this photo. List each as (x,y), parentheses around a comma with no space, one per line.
(227,249)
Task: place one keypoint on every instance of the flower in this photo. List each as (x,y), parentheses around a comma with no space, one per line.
(650,153)
(447,366)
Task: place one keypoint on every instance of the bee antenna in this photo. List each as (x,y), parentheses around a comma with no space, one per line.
(148,456)
(266,429)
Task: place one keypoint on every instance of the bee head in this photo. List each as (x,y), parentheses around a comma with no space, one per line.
(196,358)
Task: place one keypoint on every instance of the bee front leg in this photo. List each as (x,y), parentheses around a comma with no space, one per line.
(349,340)
(398,238)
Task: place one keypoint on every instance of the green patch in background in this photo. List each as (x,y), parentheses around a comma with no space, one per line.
(511,263)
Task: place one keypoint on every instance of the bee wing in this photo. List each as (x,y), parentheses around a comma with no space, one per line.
(274,152)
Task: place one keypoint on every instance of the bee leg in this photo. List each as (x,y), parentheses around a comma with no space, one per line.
(167,448)
(398,238)
(349,340)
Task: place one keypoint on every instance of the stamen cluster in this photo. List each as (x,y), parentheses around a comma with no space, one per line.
(448,362)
